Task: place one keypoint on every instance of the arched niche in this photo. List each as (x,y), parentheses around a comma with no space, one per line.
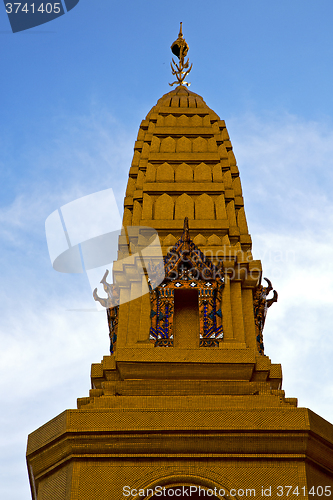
(200,145)
(168,145)
(184,145)
(163,207)
(165,173)
(184,173)
(196,121)
(155,144)
(184,207)
(183,121)
(170,121)
(202,173)
(204,207)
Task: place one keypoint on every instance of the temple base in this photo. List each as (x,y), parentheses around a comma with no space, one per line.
(209,442)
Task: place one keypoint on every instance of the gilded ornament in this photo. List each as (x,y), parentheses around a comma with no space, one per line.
(180,48)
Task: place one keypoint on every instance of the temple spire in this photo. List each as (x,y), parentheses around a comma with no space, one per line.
(180,48)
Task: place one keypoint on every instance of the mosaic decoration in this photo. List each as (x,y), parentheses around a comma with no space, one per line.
(185,266)
(260,306)
(161,314)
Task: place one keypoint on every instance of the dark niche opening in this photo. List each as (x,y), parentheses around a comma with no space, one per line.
(186,318)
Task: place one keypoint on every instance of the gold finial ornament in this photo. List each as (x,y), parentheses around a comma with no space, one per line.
(180,49)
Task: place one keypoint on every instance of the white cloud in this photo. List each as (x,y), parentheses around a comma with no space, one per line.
(286,171)
(286,168)
(45,363)
(46,350)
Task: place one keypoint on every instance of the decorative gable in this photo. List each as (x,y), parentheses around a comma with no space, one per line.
(187,268)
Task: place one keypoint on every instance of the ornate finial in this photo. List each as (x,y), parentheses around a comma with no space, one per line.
(186,236)
(186,230)
(111,290)
(180,49)
(260,306)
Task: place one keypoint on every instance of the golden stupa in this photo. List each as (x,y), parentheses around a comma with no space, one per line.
(187,404)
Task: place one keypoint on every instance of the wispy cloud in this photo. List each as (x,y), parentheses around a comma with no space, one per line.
(286,170)
(47,350)
(45,363)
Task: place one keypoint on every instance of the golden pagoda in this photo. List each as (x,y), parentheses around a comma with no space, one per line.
(187,404)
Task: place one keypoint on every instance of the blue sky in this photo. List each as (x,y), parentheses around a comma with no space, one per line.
(74,92)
